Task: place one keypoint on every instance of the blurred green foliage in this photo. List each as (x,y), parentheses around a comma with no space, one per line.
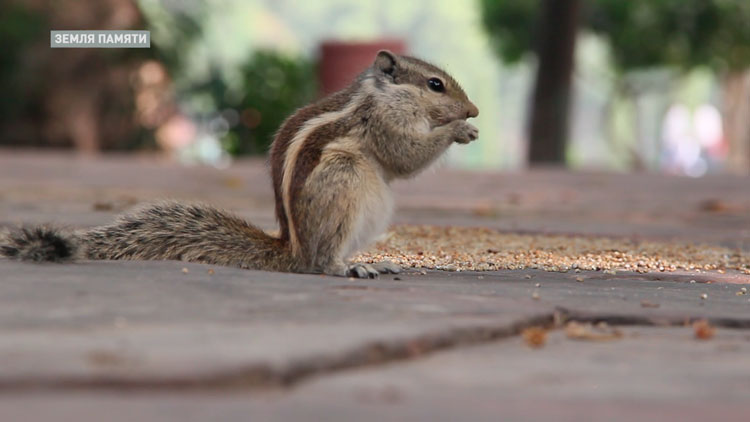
(641,33)
(19,29)
(510,25)
(242,104)
(273,87)
(679,33)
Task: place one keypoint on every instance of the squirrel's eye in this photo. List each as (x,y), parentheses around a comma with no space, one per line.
(436,85)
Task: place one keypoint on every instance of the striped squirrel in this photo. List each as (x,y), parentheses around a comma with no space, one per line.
(331,165)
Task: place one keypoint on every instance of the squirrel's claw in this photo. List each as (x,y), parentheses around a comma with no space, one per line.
(361,270)
(386,267)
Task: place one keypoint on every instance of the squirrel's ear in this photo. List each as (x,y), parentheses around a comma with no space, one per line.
(385,61)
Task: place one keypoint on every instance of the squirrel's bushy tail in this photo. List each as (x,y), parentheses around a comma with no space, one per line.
(165,230)
(39,244)
(186,232)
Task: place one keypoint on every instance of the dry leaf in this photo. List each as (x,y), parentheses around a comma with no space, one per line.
(714,205)
(103,206)
(535,337)
(703,330)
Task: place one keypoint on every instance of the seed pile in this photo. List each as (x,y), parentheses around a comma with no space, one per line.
(482,249)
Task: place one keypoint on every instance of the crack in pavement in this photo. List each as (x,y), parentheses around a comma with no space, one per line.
(264,376)
(650,321)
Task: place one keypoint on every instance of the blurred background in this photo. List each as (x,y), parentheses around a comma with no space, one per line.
(636,85)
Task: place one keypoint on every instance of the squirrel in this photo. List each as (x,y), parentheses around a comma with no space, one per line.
(331,165)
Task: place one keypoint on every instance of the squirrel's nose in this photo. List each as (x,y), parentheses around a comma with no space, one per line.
(472,111)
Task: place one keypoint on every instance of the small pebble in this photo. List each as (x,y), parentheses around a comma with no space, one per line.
(703,330)
(579,279)
(185,270)
(704,296)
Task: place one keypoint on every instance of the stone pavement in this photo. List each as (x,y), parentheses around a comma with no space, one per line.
(174,341)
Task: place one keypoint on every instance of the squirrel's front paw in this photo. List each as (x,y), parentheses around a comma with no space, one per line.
(386,267)
(361,270)
(464,132)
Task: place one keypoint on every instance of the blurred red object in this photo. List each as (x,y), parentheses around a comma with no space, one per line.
(341,62)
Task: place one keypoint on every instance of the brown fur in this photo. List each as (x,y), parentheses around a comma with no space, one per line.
(285,134)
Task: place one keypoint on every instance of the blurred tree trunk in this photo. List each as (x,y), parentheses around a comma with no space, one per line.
(736,89)
(83,98)
(548,124)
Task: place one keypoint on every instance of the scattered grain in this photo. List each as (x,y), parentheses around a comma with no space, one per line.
(484,249)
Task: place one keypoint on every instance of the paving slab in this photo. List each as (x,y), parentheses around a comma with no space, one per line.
(175,341)
(660,374)
(152,323)
(175,325)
